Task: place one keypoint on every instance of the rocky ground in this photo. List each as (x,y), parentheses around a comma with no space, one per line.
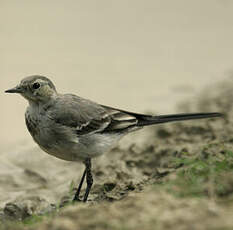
(171,176)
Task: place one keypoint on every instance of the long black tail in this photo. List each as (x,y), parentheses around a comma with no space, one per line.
(144,120)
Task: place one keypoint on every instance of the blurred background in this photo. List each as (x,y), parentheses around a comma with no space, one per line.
(133,54)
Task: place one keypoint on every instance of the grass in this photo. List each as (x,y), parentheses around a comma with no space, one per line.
(33,220)
(208,174)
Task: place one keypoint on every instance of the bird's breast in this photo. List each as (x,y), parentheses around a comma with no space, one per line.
(32,124)
(54,139)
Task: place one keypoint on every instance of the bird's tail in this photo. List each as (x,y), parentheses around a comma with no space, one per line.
(144,120)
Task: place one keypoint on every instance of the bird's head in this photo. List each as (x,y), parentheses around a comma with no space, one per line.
(35,89)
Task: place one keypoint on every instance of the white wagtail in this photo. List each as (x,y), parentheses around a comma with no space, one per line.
(76,129)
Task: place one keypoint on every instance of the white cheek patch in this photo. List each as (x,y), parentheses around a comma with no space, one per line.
(46,90)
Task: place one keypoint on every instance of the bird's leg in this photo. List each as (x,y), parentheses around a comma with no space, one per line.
(89,178)
(76,196)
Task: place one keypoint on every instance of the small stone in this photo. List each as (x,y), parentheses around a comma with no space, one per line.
(25,207)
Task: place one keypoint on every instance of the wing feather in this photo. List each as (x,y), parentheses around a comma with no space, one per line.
(87,117)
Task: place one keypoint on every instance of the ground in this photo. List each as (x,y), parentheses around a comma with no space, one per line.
(178,176)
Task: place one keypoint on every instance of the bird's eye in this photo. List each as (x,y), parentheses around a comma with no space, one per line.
(36,85)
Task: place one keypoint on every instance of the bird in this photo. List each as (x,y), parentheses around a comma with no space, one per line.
(72,128)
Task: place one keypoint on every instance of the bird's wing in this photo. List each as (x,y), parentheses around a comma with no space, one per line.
(86,117)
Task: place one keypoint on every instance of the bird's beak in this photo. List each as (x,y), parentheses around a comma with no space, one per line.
(16,89)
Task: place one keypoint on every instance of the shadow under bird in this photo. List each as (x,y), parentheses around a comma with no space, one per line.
(76,129)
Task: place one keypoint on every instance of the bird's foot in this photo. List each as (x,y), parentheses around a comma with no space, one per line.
(77,199)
